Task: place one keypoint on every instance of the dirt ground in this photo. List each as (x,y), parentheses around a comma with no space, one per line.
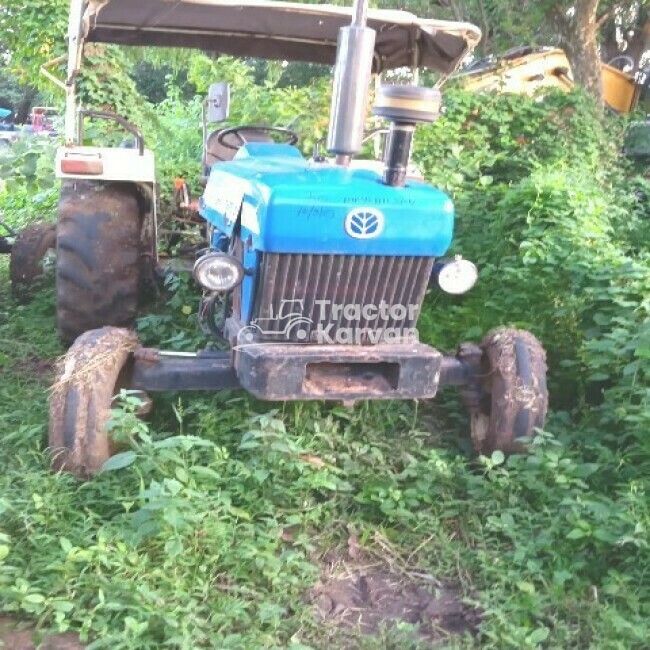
(15,635)
(33,365)
(371,596)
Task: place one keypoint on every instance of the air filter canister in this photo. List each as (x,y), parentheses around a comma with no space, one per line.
(404,106)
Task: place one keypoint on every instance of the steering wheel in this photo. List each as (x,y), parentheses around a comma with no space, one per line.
(627,60)
(239,131)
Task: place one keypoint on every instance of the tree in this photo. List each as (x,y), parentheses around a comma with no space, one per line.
(623,28)
(32,32)
(577,25)
(588,30)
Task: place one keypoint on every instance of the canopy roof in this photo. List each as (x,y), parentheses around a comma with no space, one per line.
(278,30)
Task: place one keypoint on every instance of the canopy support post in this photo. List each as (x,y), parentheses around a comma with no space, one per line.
(75,55)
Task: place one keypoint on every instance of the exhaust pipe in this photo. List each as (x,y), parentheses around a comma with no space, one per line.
(354,57)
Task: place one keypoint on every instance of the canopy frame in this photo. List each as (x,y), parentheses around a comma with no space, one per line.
(277,30)
(259,29)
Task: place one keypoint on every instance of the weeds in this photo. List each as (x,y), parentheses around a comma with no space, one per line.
(218,515)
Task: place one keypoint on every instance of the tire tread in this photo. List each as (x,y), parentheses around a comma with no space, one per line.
(98,257)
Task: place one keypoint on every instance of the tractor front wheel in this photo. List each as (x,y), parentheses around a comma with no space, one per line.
(94,369)
(99,266)
(514,397)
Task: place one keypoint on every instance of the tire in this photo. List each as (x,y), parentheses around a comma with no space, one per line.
(514,402)
(98,257)
(27,253)
(87,378)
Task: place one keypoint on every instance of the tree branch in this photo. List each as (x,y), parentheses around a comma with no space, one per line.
(456,10)
(607,15)
(485,26)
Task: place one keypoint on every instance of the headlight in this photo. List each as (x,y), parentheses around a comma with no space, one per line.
(218,272)
(457,276)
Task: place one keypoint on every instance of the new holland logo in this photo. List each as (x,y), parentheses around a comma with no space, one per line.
(364,223)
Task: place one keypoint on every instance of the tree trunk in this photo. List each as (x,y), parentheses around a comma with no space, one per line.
(609,47)
(25,105)
(578,31)
(639,43)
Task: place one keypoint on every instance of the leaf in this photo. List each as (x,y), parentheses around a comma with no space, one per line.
(200,470)
(498,457)
(173,486)
(62,606)
(644,353)
(4,551)
(119,461)
(539,635)
(34,599)
(239,513)
(526,587)
(281,446)
(598,376)
(560,577)
(586,469)
(251,444)
(576,533)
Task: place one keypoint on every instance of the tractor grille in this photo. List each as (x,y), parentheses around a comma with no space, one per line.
(290,300)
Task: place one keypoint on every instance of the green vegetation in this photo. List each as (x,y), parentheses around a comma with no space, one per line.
(221,512)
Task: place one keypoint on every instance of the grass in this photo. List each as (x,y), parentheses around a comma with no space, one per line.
(224,511)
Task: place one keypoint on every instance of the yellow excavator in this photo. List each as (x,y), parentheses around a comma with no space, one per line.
(525,70)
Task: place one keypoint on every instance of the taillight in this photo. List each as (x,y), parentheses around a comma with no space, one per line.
(82,166)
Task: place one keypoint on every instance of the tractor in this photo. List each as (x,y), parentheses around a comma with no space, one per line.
(313,270)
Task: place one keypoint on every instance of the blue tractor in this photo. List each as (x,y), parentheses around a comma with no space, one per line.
(314,270)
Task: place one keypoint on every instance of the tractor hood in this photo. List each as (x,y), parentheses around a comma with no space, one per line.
(287,204)
(282,31)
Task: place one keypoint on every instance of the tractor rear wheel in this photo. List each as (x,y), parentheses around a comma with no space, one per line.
(27,253)
(98,256)
(514,398)
(94,369)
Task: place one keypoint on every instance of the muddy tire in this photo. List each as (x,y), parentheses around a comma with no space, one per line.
(514,400)
(87,378)
(27,253)
(98,257)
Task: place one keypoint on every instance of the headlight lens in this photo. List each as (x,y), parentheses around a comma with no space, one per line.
(218,272)
(457,276)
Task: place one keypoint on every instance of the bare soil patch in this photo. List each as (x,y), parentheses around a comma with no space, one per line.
(15,635)
(33,365)
(370,597)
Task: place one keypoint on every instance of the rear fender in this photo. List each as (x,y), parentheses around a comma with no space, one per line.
(106,164)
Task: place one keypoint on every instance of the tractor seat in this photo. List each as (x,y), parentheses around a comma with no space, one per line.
(215,152)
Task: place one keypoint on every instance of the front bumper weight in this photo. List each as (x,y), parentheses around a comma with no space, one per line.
(338,372)
(303,372)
